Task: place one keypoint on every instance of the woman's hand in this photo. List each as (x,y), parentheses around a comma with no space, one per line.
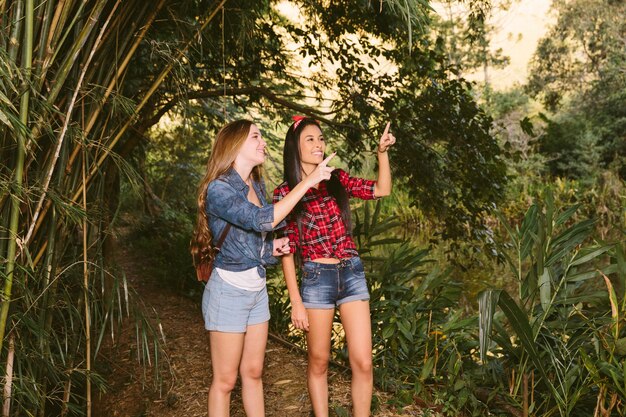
(299,317)
(386,140)
(281,246)
(321,172)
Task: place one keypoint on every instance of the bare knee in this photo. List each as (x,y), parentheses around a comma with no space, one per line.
(252,372)
(361,365)
(224,383)
(318,363)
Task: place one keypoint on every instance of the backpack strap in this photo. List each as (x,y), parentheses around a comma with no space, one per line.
(223,235)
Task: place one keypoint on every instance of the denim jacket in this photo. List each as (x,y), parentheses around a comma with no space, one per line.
(227,201)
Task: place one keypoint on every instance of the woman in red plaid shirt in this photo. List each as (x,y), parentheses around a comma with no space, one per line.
(319,231)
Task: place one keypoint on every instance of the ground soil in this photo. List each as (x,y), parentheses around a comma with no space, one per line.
(183,369)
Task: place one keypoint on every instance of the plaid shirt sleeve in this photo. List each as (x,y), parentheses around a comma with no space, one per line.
(357,187)
(289,227)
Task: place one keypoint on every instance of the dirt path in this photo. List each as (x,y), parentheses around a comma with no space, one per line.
(186,369)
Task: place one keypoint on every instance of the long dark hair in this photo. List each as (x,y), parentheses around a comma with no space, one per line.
(292,168)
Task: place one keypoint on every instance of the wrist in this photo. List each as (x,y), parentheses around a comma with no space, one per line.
(381,151)
(307,182)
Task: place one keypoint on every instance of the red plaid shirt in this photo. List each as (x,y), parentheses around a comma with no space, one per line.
(323,230)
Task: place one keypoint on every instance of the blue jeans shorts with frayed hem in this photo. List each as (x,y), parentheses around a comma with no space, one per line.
(229,309)
(328,285)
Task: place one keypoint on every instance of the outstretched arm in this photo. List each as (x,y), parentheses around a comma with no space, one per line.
(288,202)
(383,183)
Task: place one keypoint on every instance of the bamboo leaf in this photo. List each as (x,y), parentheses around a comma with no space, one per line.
(385,241)
(521,326)
(512,235)
(528,231)
(4,99)
(589,297)
(487,301)
(427,368)
(587,255)
(614,306)
(565,216)
(548,199)
(4,119)
(582,276)
(545,289)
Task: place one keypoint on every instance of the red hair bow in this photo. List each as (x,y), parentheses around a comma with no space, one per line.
(297,119)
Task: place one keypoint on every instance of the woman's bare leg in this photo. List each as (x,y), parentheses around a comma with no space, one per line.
(355,317)
(318,349)
(251,369)
(226,350)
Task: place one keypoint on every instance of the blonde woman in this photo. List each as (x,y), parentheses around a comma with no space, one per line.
(235,304)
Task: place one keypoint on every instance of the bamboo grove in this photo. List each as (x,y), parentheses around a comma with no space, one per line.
(64,131)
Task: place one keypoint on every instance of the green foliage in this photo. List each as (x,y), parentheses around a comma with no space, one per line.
(560,315)
(456,170)
(574,148)
(164,241)
(49,336)
(578,70)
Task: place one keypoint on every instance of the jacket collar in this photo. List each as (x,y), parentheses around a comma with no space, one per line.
(232,177)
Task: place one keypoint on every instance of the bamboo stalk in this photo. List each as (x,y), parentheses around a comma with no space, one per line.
(47,47)
(122,68)
(45,27)
(86,290)
(15,33)
(8,384)
(96,112)
(3,15)
(68,116)
(525,394)
(67,390)
(155,85)
(71,57)
(45,319)
(19,171)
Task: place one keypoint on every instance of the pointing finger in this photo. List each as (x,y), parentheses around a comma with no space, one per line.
(387,128)
(327,160)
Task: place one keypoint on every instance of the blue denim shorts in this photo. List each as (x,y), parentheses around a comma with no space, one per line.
(226,308)
(328,285)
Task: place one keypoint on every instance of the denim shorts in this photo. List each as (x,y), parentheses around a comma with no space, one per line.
(328,285)
(226,308)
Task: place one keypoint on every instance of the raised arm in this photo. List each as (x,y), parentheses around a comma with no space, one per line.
(224,202)
(383,182)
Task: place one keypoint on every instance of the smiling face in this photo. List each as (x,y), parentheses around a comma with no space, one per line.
(252,151)
(312,147)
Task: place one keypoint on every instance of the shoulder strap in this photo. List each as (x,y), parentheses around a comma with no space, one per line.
(220,241)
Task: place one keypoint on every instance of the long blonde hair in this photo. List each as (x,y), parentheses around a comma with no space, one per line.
(225,149)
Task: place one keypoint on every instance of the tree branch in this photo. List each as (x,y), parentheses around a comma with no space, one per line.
(264,92)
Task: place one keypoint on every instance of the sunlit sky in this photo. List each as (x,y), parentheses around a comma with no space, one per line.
(517,31)
(528,18)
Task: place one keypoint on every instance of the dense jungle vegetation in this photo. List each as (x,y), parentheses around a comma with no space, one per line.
(497,269)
